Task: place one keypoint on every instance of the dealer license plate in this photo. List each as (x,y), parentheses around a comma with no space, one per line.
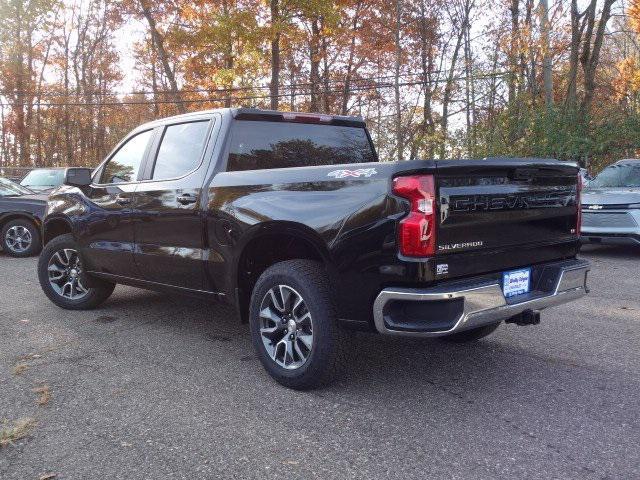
(516,282)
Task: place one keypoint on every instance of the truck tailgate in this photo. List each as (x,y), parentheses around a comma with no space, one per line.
(505,207)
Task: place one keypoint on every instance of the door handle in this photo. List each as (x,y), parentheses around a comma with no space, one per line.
(123,200)
(186,199)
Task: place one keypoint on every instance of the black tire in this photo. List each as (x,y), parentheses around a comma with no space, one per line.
(34,246)
(327,355)
(96,294)
(473,334)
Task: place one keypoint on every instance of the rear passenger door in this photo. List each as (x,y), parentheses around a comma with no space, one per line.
(169,237)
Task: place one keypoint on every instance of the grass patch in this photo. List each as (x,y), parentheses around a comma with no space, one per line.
(20,368)
(44,394)
(13,432)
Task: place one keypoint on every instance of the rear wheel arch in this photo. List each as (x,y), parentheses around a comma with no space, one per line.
(270,245)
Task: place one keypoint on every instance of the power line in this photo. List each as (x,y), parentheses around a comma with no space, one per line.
(203,90)
(356,88)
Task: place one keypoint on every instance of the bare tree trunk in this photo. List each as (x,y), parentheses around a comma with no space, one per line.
(426,64)
(448,88)
(4,151)
(314,58)
(591,55)
(20,98)
(154,81)
(513,48)
(346,91)
(162,54)
(529,64)
(470,93)
(293,86)
(326,93)
(577,28)
(68,148)
(396,81)
(275,54)
(547,65)
(228,57)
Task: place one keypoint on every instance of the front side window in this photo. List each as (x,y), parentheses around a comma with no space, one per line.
(258,145)
(123,167)
(180,149)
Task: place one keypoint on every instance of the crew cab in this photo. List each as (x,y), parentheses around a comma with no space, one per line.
(291,218)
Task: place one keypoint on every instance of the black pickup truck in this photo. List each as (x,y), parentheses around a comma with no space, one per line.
(291,218)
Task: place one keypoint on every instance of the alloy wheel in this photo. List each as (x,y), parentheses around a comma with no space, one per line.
(286,327)
(65,270)
(18,239)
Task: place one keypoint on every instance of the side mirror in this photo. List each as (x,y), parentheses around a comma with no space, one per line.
(78,177)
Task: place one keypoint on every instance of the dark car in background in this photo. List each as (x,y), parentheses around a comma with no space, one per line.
(43,179)
(21,214)
(611,205)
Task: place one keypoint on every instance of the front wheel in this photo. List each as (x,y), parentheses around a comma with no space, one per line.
(61,277)
(293,325)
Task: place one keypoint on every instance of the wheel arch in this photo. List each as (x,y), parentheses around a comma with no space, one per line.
(8,217)
(267,244)
(54,227)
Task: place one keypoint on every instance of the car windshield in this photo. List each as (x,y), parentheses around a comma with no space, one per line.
(43,178)
(620,176)
(9,188)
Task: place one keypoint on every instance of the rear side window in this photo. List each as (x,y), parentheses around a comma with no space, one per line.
(180,149)
(257,145)
(124,165)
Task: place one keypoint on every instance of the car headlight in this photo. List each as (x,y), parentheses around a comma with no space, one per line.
(633,205)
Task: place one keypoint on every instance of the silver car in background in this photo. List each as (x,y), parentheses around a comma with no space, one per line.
(611,205)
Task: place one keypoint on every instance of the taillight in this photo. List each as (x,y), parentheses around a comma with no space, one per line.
(417,231)
(579,204)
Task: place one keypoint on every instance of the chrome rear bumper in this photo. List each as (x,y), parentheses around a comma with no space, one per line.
(482,302)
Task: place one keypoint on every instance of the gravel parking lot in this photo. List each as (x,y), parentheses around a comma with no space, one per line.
(153,386)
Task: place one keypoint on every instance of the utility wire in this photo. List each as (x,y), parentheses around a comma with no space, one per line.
(289,86)
(352,88)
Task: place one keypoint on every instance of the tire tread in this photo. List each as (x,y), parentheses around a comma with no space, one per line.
(311,274)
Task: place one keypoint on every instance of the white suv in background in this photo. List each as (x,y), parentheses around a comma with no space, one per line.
(611,205)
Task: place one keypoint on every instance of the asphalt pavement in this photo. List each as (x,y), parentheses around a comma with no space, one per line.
(155,386)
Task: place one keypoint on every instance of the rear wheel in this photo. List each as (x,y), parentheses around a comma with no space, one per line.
(293,325)
(473,334)
(63,280)
(20,238)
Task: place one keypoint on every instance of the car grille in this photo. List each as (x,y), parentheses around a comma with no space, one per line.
(617,220)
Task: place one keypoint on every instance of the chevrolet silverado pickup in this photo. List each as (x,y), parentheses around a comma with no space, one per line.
(292,219)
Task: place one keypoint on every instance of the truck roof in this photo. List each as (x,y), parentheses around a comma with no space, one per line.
(266,115)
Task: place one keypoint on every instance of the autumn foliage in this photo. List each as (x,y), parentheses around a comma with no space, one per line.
(433,78)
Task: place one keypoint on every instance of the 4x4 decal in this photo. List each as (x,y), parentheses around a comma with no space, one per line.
(361,172)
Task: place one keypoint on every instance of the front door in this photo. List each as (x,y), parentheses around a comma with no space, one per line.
(169,237)
(106,235)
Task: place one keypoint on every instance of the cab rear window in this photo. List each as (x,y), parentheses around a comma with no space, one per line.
(257,145)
